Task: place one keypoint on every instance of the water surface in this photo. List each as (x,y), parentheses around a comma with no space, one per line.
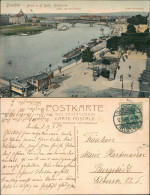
(24,56)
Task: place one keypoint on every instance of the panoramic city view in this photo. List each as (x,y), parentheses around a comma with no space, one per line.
(80,49)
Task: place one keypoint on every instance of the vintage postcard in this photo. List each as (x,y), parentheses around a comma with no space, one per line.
(73,146)
(59,63)
(75,48)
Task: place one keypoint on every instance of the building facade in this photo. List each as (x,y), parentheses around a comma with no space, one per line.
(85,17)
(140,28)
(20,87)
(4,20)
(60,18)
(34,19)
(90,17)
(41,81)
(121,20)
(19,18)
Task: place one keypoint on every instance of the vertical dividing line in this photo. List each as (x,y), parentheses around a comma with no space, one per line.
(75,150)
(1,146)
(77,154)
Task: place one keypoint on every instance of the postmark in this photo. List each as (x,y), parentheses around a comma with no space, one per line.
(128,118)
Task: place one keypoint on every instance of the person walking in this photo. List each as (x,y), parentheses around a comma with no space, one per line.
(59,68)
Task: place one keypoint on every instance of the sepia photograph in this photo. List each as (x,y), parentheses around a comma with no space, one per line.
(75,49)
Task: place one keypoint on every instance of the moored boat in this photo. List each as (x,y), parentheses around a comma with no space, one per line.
(23,34)
(74,54)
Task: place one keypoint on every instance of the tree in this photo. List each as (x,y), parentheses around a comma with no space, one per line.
(147,30)
(112,43)
(131,29)
(136,20)
(87,56)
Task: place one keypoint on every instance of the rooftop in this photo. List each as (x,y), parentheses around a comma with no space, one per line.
(114,55)
(20,83)
(41,76)
(33,17)
(85,16)
(19,14)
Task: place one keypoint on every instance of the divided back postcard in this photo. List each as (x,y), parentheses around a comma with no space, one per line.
(74,97)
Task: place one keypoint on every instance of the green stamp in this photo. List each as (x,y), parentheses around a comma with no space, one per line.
(128,118)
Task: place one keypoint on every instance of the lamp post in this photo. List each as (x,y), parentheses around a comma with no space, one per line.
(132,86)
(131,89)
(121,79)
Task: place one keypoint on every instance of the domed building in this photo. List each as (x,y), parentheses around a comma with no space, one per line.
(19,18)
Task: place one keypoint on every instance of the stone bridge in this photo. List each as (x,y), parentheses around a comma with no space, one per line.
(73,22)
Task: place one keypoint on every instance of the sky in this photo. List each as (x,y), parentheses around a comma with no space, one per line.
(74,6)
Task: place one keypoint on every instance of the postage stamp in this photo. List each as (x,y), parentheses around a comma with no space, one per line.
(128,118)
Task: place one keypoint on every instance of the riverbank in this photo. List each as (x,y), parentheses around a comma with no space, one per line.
(76,80)
(22,29)
(118,29)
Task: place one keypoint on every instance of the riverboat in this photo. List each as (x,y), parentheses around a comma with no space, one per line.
(63,28)
(74,54)
(23,34)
